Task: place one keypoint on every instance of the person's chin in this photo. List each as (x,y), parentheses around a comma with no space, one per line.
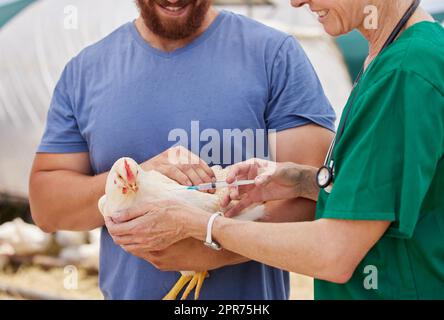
(330,25)
(332,29)
(333,33)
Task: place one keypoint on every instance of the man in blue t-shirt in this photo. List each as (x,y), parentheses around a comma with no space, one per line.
(181,74)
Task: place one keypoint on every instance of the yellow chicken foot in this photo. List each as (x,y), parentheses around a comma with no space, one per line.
(200,281)
(174,292)
(197,283)
(190,287)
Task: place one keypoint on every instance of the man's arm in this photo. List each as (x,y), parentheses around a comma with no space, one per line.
(63,193)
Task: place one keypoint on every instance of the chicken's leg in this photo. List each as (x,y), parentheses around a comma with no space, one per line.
(174,292)
(200,281)
(190,286)
(197,283)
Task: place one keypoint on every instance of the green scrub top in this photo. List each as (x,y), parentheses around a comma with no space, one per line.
(389,166)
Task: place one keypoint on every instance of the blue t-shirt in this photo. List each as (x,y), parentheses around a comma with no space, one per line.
(122,97)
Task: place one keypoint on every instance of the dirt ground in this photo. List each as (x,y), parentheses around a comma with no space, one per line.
(51,282)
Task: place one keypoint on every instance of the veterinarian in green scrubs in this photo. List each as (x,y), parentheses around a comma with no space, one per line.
(389,167)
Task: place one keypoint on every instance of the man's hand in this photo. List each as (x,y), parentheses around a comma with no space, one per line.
(155,231)
(181,165)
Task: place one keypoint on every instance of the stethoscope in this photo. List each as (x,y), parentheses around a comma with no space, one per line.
(326,174)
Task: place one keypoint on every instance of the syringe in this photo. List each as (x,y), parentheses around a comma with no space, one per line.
(220,184)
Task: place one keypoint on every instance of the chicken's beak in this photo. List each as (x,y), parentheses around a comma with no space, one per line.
(130,187)
(134,187)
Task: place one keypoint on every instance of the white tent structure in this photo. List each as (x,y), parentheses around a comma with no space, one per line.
(37,43)
(433,6)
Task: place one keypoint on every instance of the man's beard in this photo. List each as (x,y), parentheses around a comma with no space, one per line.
(171,28)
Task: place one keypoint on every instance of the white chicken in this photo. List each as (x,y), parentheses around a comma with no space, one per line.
(24,238)
(85,255)
(127,184)
(70,238)
(80,248)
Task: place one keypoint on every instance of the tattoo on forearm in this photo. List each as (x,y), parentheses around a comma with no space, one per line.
(309,187)
(302,179)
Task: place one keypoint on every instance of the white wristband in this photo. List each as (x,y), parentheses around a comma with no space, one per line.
(209,239)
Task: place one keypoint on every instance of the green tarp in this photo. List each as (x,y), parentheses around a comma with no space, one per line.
(8,11)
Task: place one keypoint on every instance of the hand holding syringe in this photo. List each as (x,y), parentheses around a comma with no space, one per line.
(220,184)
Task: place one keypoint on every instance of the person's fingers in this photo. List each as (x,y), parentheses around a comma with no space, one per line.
(231,193)
(138,248)
(120,229)
(234,193)
(244,203)
(192,175)
(205,178)
(125,240)
(225,200)
(213,191)
(108,220)
(196,170)
(232,174)
(262,180)
(177,175)
(177,156)
(240,190)
(238,171)
(197,175)
(246,170)
(203,174)
(207,169)
(252,173)
(251,170)
(197,162)
(129,214)
(123,222)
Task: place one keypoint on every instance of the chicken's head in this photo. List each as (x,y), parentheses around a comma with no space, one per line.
(125,175)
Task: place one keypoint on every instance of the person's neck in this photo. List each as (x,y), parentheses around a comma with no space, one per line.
(169,45)
(377,37)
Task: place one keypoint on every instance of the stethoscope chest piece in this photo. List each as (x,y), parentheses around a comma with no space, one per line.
(325,178)
(326,174)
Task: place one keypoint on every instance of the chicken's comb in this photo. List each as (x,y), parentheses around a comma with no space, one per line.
(129,173)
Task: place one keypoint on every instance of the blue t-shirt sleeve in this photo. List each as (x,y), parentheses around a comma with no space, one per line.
(62,134)
(296,95)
